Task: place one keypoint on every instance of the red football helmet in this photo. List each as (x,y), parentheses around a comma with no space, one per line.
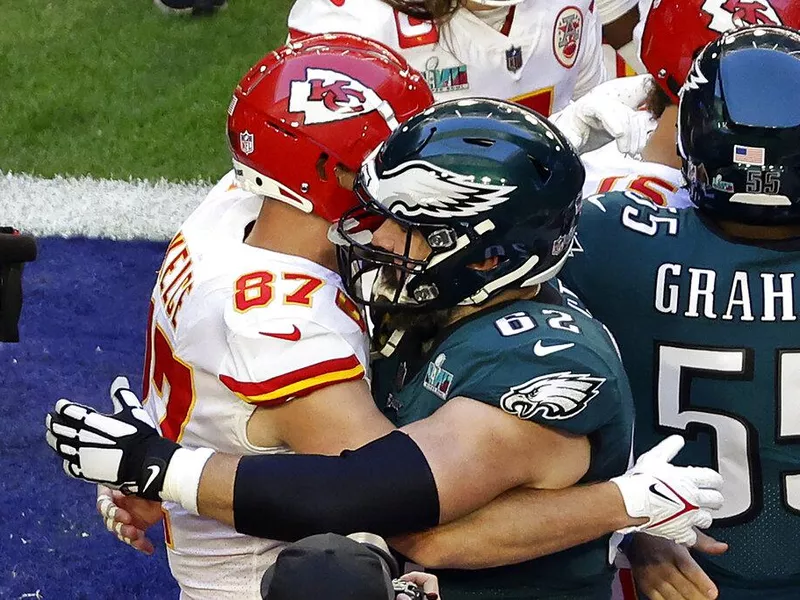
(318,102)
(674,30)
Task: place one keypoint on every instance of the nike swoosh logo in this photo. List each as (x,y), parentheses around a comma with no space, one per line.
(686,506)
(539,349)
(292,336)
(657,493)
(154,471)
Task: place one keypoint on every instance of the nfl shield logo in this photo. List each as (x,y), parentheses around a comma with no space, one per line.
(246,142)
(514,58)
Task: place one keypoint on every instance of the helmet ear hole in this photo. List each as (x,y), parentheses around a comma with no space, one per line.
(320,166)
(542,171)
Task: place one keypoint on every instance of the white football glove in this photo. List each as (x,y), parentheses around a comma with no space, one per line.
(675,500)
(123,451)
(609,112)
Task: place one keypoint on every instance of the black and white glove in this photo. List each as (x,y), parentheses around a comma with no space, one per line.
(675,500)
(123,451)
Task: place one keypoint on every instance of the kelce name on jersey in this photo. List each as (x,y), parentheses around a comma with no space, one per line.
(703,296)
(175,277)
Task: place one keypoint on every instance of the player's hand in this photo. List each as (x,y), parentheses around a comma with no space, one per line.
(674,500)
(128,517)
(665,570)
(427,582)
(123,451)
(609,111)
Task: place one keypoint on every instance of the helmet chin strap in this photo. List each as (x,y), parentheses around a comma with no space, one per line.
(483,294)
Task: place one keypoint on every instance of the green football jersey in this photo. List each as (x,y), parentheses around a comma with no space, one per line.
(544,362)
(709,334)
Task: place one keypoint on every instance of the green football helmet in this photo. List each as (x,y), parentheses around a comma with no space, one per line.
(478,178)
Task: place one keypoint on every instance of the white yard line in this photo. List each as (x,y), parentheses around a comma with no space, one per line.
(97,208)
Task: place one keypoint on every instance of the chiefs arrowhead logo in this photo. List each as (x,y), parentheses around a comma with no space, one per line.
(733,14)
(327,95)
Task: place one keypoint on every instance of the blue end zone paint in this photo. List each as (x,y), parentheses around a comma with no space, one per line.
(82,324)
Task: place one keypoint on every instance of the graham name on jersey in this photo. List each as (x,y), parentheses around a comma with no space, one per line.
(699,292)
(175,277)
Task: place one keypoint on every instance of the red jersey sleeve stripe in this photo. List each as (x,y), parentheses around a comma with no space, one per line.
(296,383)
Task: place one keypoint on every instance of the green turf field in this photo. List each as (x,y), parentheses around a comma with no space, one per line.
(117,89)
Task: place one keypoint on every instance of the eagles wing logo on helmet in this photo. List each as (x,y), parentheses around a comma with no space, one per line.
(554,396)
(733,14)
(421,188)
(326,96)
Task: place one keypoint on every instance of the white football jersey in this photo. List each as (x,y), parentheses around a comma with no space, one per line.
(608,170)
(234,329)
(545,53)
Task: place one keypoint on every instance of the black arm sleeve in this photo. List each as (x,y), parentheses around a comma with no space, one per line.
(385,487)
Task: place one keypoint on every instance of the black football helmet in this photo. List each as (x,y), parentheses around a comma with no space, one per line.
(739,127)
(479,178)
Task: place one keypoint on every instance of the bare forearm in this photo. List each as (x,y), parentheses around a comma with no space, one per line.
(215,494)
(520,525)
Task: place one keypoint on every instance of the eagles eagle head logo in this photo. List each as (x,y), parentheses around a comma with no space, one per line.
(553,396)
